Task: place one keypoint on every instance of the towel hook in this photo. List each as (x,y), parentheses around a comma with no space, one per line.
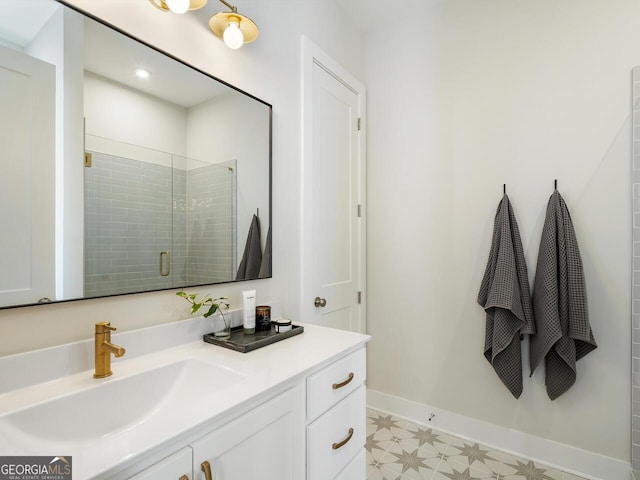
(555,184)
(504,188)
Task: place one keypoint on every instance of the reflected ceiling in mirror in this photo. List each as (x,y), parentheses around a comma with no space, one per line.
(113,183)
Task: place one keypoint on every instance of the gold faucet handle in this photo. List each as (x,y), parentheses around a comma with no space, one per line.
(104,327)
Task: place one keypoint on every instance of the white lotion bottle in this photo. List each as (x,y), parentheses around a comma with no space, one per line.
(249,306)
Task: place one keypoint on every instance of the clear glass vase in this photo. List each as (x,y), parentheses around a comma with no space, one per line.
(221,325)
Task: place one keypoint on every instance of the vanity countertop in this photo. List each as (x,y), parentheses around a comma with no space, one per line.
(178,412)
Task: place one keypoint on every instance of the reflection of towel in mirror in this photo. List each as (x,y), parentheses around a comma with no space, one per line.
(252,257)
(265,268)
(505,296)
(559,302)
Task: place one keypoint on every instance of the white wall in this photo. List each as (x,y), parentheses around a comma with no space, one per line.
(486,93)
(270,69)
(60,42)
(120,113)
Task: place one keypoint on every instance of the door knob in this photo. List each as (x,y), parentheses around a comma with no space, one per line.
(320,302)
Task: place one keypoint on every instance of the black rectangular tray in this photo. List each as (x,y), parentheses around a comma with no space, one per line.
(240,342)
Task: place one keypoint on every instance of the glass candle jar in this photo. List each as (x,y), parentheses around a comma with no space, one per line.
(263,318)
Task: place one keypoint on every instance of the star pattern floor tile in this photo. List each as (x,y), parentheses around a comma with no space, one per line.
(398,449)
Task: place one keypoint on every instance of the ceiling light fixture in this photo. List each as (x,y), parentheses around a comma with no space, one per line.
(143,73)
(178,6)
(235,29)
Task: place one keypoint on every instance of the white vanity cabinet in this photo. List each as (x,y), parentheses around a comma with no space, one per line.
(336,420)
(292,411)
(266,443)
(178,466)
(272,440)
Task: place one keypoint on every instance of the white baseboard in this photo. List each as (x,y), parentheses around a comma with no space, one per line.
(558,455)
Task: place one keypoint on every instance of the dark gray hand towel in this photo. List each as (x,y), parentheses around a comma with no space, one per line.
(559,302)
(252,258)
(505,296)
(265,267)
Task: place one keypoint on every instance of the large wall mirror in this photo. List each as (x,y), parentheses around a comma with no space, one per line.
(122,169)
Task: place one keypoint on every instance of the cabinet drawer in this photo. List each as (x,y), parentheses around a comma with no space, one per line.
(330,445)
(335,382)
(357,469)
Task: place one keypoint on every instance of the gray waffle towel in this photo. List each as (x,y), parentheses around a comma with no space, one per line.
(252,258)
(505,296)
(265,266)
(559,302)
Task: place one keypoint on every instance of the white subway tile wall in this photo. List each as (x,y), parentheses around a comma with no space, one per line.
(135,210)
(211,224)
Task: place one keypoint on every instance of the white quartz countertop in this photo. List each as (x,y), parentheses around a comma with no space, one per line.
(182,414)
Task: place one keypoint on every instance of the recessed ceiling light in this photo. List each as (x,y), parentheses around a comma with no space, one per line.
(143,73)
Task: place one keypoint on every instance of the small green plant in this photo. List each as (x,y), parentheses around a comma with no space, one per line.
(218,304)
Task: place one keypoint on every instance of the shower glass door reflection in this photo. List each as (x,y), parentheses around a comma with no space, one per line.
(154,220)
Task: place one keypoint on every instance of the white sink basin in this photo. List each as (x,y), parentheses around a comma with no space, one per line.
(116,405)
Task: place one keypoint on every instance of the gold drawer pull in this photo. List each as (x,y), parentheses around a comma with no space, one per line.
(342,384)
(206,468)
(336,446)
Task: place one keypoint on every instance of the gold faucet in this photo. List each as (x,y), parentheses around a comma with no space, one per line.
(104,349)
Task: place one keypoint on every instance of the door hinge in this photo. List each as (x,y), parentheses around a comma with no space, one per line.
(359,210)
(359,123)
(87,160)
(359,298)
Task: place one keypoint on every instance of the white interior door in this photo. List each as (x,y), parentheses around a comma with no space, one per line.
(27,171)
(334,243)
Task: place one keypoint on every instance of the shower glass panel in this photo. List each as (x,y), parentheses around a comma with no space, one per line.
(155,220)
(204,221)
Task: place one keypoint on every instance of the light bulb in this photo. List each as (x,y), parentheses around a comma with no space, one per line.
(233,36)
(178,6)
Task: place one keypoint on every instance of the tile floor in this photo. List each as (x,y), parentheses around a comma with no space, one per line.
(398,449)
